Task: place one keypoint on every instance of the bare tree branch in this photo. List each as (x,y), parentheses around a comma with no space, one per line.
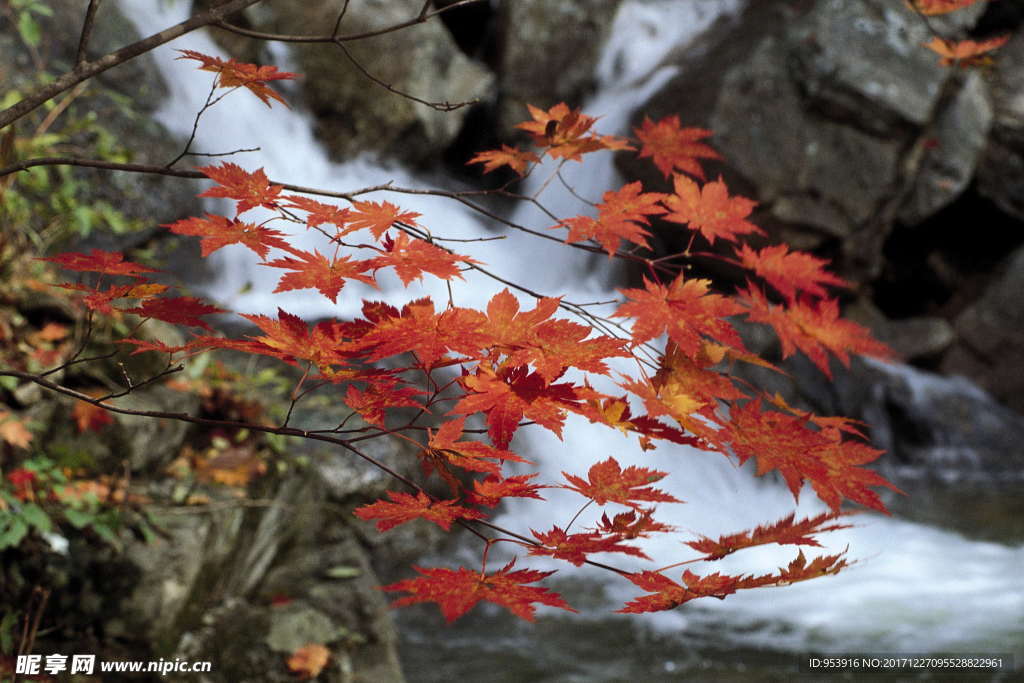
(421,18)
(86,70)
(87,26)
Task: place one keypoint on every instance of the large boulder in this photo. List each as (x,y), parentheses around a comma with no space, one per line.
(991,332)
(835,119)
(548,51)
(1001,173)
(347,88)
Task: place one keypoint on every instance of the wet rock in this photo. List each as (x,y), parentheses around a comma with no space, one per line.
(952,153)
(353,113)
(1001,173)
(548,52)
(992,336)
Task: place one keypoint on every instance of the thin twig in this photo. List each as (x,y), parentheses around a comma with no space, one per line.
(89,69)
(87,26)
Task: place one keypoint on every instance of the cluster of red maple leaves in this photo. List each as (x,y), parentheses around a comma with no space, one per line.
(509,365)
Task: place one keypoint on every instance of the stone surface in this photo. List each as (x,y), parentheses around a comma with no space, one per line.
(992,336)
(953,149)
(548,52)
(1001,173)
(354,114)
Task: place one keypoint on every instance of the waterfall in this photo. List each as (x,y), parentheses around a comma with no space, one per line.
(913,588)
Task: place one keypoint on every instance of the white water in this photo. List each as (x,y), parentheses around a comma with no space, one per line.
(914,589)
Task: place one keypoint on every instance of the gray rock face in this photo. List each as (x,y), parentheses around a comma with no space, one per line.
(991,331)
(835,119)
(548,51)
(353,113)
(1001,172)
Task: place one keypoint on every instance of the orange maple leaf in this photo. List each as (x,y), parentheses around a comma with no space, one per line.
(608,483)
(219,231)
(405,507)
(13,430)
(493,489)
(621,216)
(666,594)
(428,334)
(965,52)
(457,591)
(789,271)
(932,7)
(232,74)
(289,338)
(411,258)
(318,213)
(90,417)
(309,660)
(248,189)
(785,443)
(370,404)
(511,393)
(314,270)
(638,523)
(377,217)
(674,148)
(575,547)
(685,309)
(815,329)
(710,210)
(513,157)
(99,261)
(786,531)
(469,455)
(565,133)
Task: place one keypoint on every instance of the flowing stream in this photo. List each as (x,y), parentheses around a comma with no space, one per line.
(913,589)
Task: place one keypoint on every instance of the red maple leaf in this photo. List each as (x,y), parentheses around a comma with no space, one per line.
(411,258)
(685,310)
(575,547)
(457,591)
(621,216)
(248,189)
(710,210)
(785,443)
(289,338)
(638,523)
(314,270)
(608,483)
(318,213)
(99,261)
(666,594)
(674,148)
(90,417)
(377,217)
(493,489)
(511,393)
(786,531)
(430,335)
(232,74)
(370,404)
(469,455)
(788,271)
(405,508)
(182,310)
(815,329)
(513,157)
(218,231)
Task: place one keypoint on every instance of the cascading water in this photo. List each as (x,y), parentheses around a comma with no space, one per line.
(914,588)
